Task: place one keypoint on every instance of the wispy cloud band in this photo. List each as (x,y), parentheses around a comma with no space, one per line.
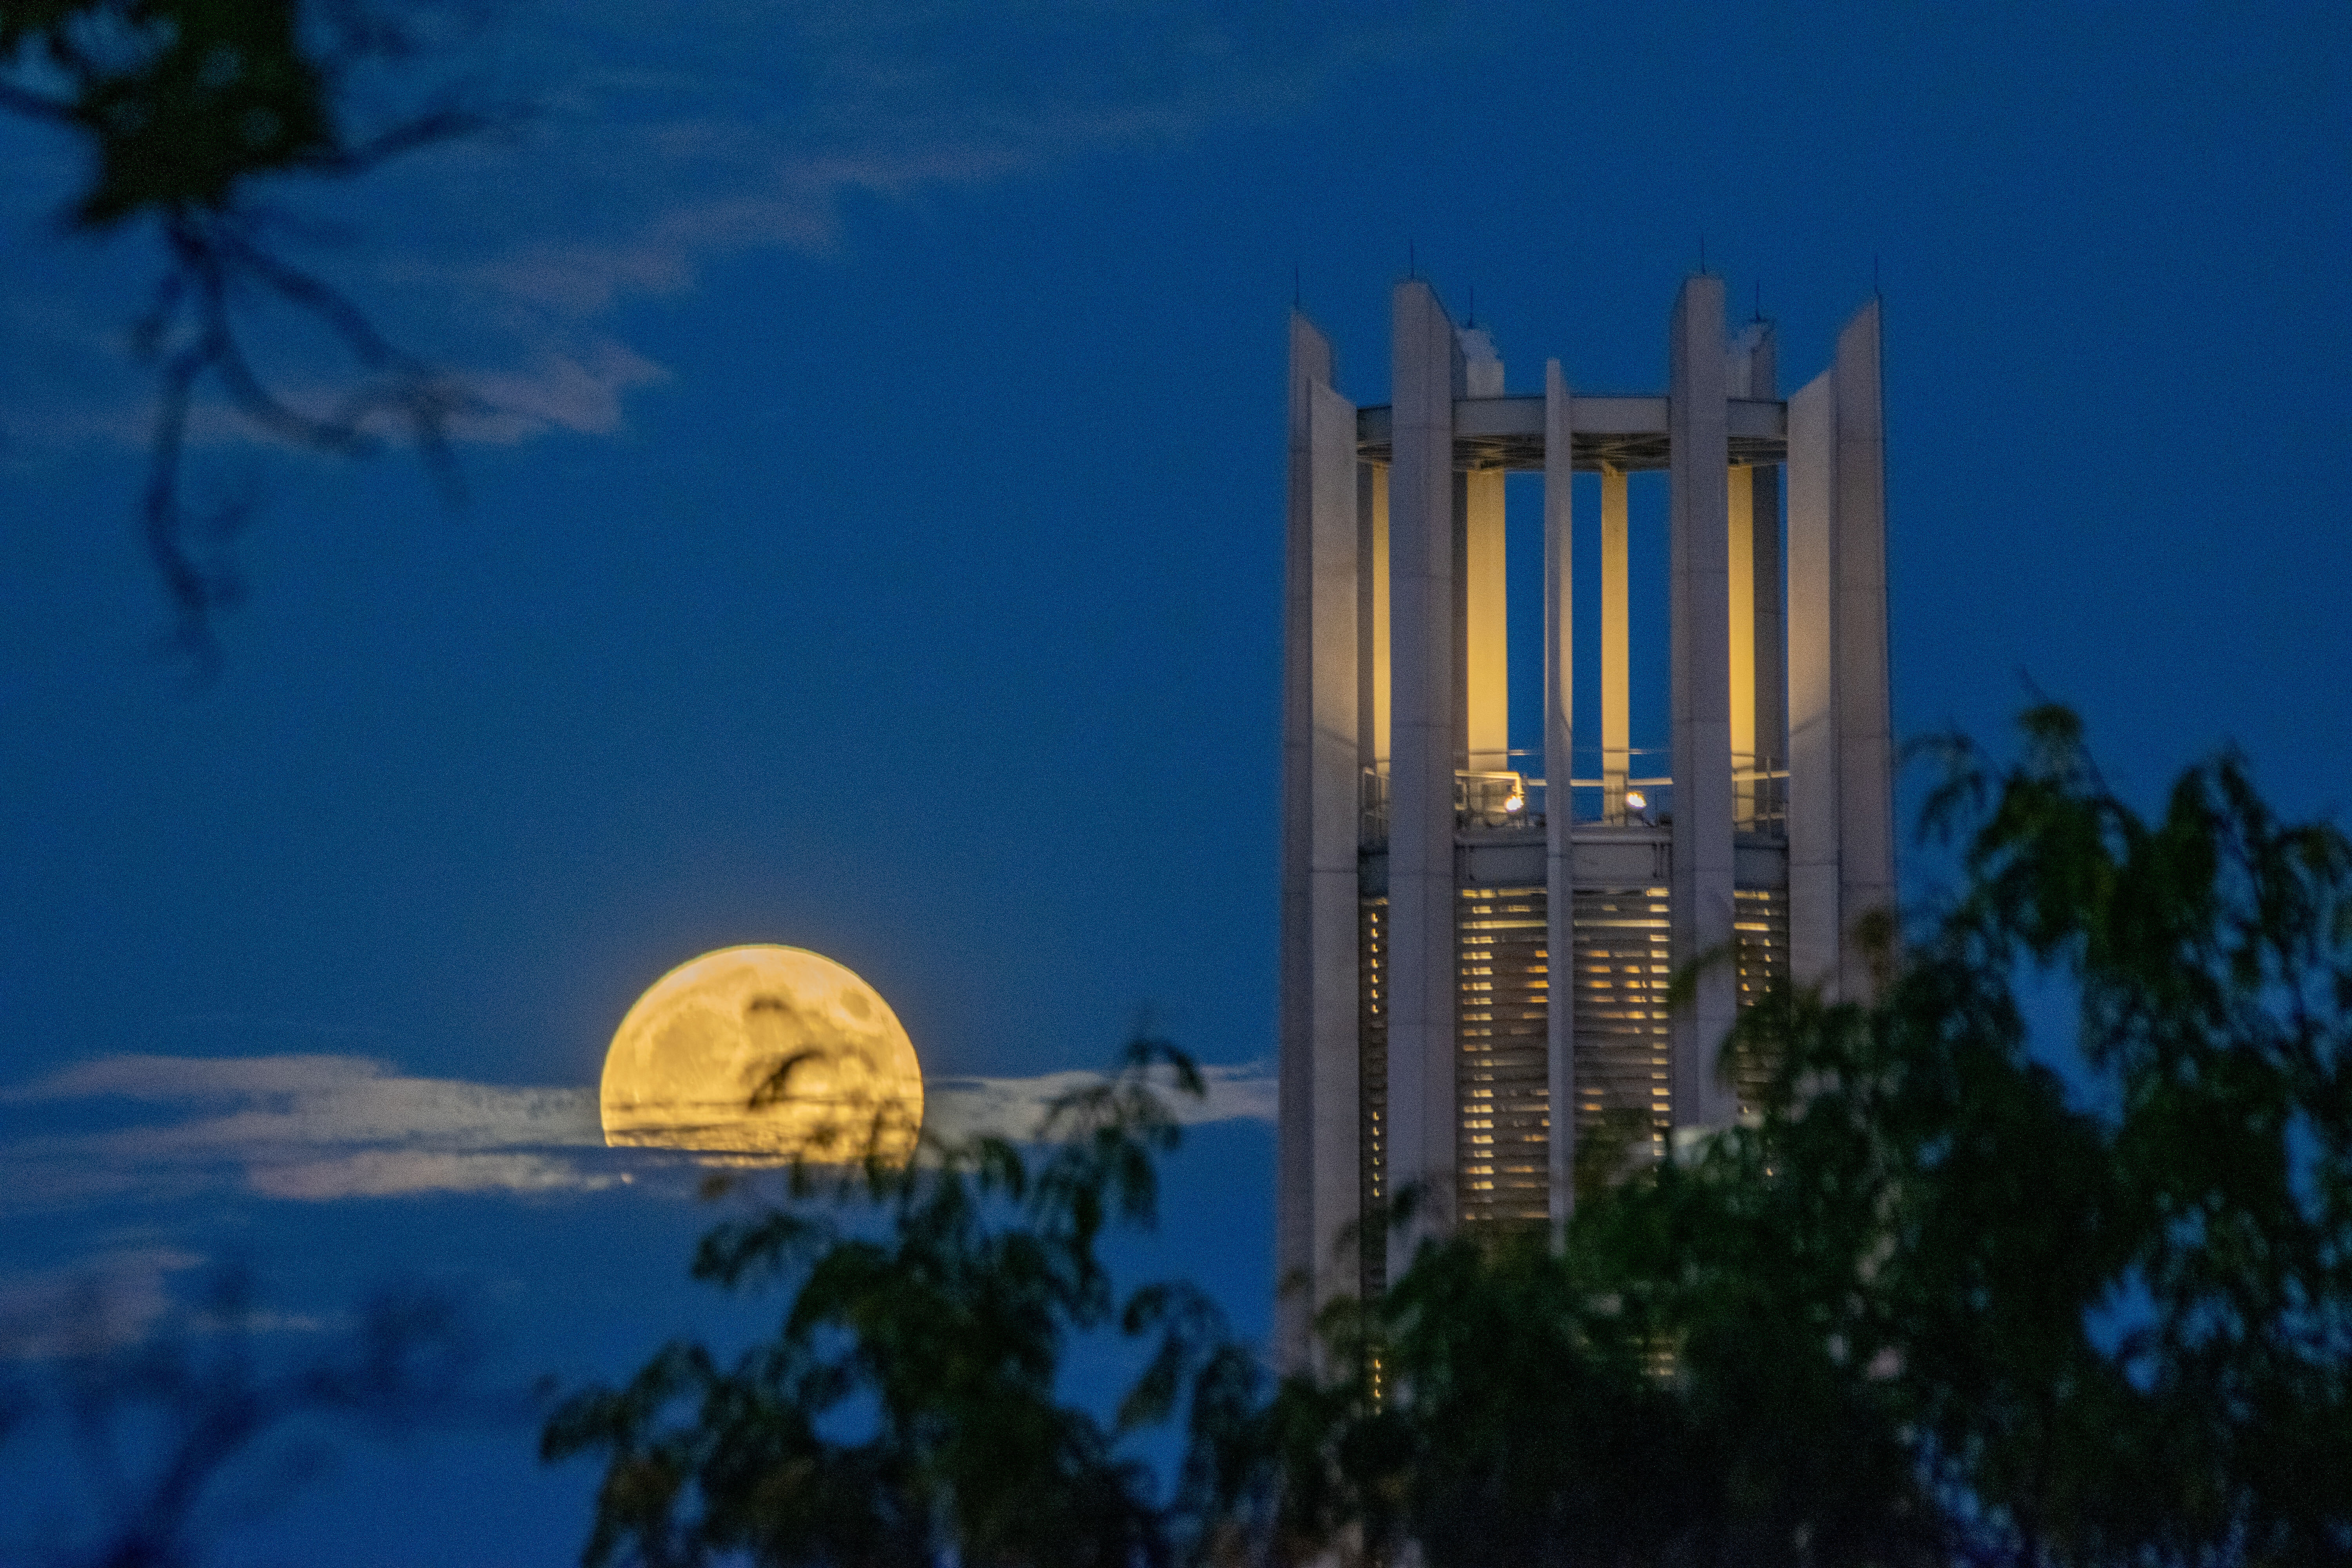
(663,138)
(323,1127)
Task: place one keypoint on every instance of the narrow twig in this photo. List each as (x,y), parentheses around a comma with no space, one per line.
(192,593)
(91,66)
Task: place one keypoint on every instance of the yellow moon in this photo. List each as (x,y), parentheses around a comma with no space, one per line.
(771,1052)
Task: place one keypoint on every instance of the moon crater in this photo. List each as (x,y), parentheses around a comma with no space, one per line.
(765,1052)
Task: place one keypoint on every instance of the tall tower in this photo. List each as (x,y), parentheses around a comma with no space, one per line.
(1431,872)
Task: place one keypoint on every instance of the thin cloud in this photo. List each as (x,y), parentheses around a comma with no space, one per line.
(579,392)
(298,1101)
(750,126)
(668,137)
(306,1126)
(1014,1107)
(101,1302)
(120,1296)
(319,1128)
(397,1173)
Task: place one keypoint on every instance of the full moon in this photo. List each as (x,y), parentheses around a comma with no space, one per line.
(771,1052)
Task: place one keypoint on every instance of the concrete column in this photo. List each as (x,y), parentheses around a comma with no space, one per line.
(1560,753)
(1699,577)
(1865,726)
(1486,663)
(1331,911)
(1841,734)
(1481,367)
(1751,365)
(1616,664)
(1317,1070)
(1813,892)
(1311,367)
(1424,727)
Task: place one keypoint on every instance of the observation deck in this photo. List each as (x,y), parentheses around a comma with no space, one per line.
(1623,822)
(1627,432)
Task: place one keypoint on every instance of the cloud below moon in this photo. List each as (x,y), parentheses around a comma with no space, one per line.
(1011,1107)
(285,1126)
(319,1128)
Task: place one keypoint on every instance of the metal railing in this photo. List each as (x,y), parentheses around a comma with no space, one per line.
(1372,813)
(1627,788)
(1623,788)
(1760,792)
(1492,798)
(1497,798)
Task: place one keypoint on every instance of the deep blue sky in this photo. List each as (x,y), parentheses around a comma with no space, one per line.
(883,554)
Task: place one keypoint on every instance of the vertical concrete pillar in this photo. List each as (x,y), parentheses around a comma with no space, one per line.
(1424,727)
(1865,725)
(1813,892)
(1841,733)
(1481,367)
(1319,1062)
(1560,813)
(1331,909)
(1486,649)
(1699,579)
(1311,367)
(1616,663)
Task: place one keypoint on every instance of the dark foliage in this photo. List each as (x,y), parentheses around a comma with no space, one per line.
(1940,1304)
(907,1411)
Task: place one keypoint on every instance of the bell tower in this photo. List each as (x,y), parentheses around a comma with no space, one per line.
(1478,941)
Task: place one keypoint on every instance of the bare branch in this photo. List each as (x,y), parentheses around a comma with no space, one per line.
(194,595)
(132,94)
(298,288)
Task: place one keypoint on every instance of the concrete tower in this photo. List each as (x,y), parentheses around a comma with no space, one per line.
(1429,871)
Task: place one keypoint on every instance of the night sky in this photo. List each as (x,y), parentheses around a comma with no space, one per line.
(877,548)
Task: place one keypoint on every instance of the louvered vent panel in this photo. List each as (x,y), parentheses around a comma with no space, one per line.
(1624,1045)
(1502,1085)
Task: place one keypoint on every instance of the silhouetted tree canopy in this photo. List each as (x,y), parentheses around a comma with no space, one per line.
(188,112)
(907,1410)
(1940,1303)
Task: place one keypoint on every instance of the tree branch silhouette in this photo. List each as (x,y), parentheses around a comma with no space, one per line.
(187,108)
(170,1420)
